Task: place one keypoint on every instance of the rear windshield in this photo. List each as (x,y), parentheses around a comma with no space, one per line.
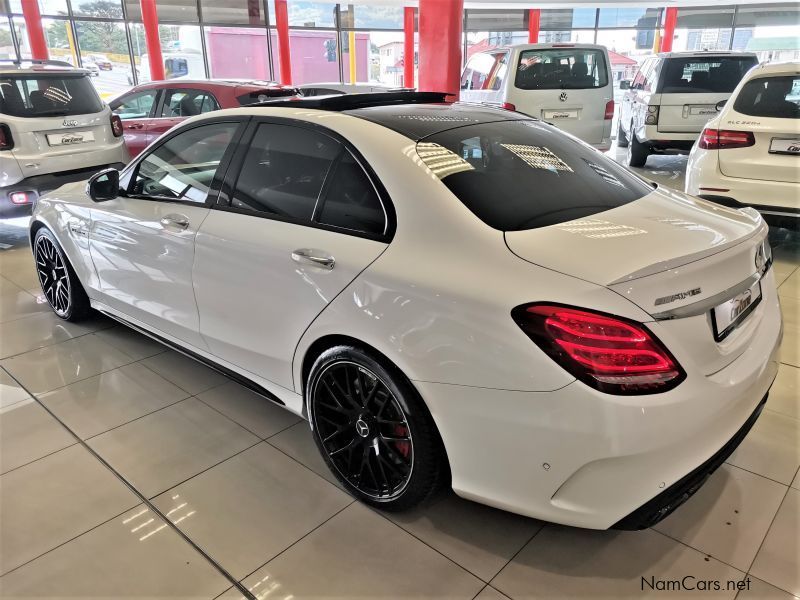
(517,175)
(48,95)
(718,75)
(561,68)
(777,97)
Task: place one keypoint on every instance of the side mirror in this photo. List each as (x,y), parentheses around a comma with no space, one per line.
(719,105)
(103,185)
(624,84)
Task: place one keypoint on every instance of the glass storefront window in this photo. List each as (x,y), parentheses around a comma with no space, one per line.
(237,52)
(244,12)
(497,20)
(575,36)
(58,35)
(104,9)
(307,14)
(104,51)
(175,11)
(181,49)
(46,7)
(380,57)
(7,50)
(567,18)
(768,14)
(364,66)
(628,17)
(691,40)
(313,54)
(375,17)
(704,17)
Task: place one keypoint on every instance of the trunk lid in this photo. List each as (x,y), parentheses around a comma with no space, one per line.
(664,252)
(687,113)
(769,159)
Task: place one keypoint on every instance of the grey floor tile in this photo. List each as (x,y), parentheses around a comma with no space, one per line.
(134,555)
(10,390)
(16,303)
(249,508)
(94,405)
(759,590)
(790,309)
(53,500)
(778,559)
(297,442)
(37,331)
(796,481)
(489,593)
(728,517)
(55,366)
(784,397)
(790,288)
(186,373)
(251,411)
(163,449)
(479,538)
(772,448)
(790,347)
(132,343)
(359,554)
(563,562)
(28,432)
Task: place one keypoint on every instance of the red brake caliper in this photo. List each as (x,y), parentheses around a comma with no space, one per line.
(403,448)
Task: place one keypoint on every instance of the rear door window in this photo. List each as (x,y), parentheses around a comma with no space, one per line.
(351,201)
(135,106)
(518,175)
(561,68)
(187,103)
(773,97)
(48,95)
(700,75)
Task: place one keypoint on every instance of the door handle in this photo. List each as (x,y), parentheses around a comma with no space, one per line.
(175,220)
(134,126)
(317,258)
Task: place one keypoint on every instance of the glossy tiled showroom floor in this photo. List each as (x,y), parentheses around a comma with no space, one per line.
(95,419)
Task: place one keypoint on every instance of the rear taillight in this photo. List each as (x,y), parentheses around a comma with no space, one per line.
(116,125)
(6,139)
(609,110)
(723,139)
(19,197)
(651,118)
(611,354)
(508,106)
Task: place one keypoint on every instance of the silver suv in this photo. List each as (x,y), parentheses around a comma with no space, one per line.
(54,129)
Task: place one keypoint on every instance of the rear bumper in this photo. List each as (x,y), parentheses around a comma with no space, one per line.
(580,457)
(39,185)
(666,142)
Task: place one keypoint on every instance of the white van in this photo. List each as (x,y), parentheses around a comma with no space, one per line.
(672,97)
(569,85)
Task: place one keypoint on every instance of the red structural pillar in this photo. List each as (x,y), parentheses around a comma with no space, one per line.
(670,20)
(408,47)
(282,27)
(33,24)
(440,41)
(152,40)
(534,20)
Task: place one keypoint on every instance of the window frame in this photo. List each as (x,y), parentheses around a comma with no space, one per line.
(235,165)
(128,175)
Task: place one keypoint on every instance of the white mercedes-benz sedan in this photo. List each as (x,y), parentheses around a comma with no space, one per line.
(749,154)
(451,294)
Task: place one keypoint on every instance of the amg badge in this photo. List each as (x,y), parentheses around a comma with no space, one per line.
(680,296)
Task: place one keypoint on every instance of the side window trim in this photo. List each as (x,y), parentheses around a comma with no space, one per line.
(228,185)
(128,175)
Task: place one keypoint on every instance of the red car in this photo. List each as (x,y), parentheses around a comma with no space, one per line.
(150,109)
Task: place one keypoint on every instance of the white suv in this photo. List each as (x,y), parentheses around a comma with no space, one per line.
(54,129)
(672,97)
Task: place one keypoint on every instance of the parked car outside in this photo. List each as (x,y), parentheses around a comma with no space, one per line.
(102,61)
(378,264)
(150,109)
(749,154)
(672,97)
(54,129)
(569,85)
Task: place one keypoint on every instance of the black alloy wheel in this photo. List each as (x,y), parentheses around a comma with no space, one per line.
(363,431)
(53,276)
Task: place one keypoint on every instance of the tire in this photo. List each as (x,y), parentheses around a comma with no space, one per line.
(622,139)
(358,402)
(637,152)
(60,284)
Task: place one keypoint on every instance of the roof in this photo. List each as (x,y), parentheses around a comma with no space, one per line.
(620,59)
(700,53)
(10,66)
(774,43)
(773,68)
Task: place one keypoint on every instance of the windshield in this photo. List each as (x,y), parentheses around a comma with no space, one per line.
(775,97)
(47,95)
(561,68)
(700,75)
(517,175)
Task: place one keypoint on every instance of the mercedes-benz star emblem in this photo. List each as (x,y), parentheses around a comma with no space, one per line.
(563,96)
(362,428)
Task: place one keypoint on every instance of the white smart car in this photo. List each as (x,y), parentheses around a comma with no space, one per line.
(451,294)
(749,154)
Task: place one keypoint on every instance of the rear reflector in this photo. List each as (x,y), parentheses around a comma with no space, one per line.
(6,140)
(611,354)
(19,197)
(508,106)
(609,111)
(722,139)
(116,125)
